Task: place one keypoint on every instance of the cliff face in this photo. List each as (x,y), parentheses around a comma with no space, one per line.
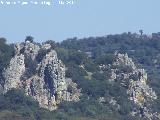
(37,70)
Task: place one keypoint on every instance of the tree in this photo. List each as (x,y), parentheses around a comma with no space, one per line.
(52,43)
(141,32)
(29,38)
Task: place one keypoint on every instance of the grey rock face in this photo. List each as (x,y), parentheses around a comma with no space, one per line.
(123,59)
(135,80)
(31,49)
(138,80)
(52,69)
(45,80)
(13,73)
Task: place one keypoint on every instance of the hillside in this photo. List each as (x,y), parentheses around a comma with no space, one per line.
(114,77)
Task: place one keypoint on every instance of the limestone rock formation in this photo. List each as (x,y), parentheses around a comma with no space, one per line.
(41,74)
(123,59)
(138,88)
(13,73)
(135,80)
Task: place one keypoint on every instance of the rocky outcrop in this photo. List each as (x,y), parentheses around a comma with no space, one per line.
(124,60)
(135,82)
(42,78)
(14,72)
(30,50)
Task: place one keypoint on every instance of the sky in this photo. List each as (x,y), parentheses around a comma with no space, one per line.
(84,18)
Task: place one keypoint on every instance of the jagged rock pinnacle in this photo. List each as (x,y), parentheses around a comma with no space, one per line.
(43,79)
